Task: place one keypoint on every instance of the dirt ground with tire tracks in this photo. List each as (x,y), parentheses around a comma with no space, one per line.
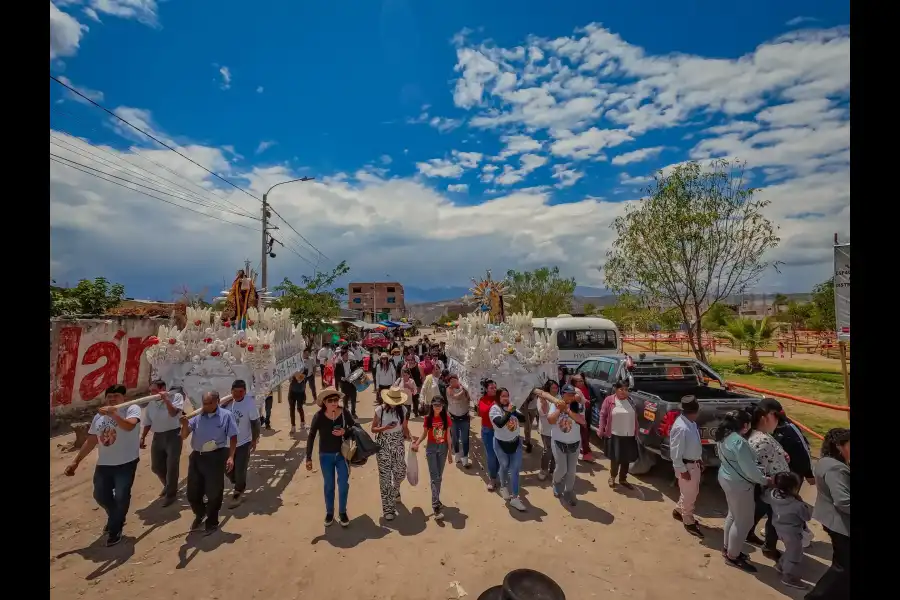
(613,544)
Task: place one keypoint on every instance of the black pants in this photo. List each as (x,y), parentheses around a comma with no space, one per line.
(296,403)
(112,491)
(206,477)
(238,475)
(764,509)
(165,458)
(267,418)
(620,468)
(835,583)
(311,382)
(415,403)
(349,391)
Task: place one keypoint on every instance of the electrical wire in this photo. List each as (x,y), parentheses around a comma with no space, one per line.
(308,243)
(190,196)
(137,153)
(72,166)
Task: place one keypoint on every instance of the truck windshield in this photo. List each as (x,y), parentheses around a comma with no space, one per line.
(586,339)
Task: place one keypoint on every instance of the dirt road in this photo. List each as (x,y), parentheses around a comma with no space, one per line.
(613,544)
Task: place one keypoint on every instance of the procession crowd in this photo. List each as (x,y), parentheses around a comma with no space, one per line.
(764,458)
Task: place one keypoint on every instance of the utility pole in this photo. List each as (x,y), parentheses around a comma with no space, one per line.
(264,274)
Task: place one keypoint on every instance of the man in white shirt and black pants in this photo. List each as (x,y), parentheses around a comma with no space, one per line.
(246,417)
(686,451)
(116,435)
(162,418)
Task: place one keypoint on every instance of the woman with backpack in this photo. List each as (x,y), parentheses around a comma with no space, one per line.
(437,452)
(391,428)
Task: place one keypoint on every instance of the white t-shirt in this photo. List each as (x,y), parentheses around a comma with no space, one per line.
(325,354)
(565,430)
(510,431)
(388,418)
(244,412)
(384,376)
(622,421)
(544,426)
(157,416)
(115,446)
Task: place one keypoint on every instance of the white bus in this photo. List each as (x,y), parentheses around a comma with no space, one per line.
(579,337)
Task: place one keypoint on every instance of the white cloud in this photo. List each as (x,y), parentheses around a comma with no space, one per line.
(458,187)
(65,33)
(225,73)
(518,144)
(440,167)
(385,159)
(265,145)
(95,95)
(587,143)
(260,90)
(800,21)
(529,163)
(143,11)
(637,155)
(442,124)
(566,175)
(626,179)
(476,70)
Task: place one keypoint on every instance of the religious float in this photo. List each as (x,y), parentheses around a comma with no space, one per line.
(245,341)
(489,344)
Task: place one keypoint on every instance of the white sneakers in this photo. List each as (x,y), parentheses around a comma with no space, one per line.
(542,475)
(517,504)
(504,493)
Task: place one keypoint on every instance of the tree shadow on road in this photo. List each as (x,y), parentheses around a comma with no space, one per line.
(109,559)
(268,475)
(361,528)
(198,541)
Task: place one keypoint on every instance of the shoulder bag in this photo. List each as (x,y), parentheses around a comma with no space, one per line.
(348,445)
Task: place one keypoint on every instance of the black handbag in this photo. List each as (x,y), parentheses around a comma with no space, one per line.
(365,446)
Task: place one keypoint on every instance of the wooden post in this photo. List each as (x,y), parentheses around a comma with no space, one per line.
(843,349)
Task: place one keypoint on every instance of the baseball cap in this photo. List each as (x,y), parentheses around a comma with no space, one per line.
(568,389)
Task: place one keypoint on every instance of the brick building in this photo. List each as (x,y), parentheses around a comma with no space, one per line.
(380,297)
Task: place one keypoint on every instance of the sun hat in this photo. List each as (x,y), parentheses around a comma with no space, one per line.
(383,355)
(394,396)
(395,351)
(327,393)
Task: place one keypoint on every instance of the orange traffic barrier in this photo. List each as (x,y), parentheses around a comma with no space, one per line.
(788,396)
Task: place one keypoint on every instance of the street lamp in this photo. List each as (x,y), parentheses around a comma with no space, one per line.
(264,270)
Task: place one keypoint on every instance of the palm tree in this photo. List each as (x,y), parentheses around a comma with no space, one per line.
(752,335)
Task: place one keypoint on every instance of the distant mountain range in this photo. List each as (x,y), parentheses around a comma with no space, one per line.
(418,295)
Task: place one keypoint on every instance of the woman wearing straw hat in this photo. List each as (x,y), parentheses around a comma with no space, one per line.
(385,375)
(331,424)
(391,427)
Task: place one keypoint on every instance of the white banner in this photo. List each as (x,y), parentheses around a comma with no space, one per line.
(842,291)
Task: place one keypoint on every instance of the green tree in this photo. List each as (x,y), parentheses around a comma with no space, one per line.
(315,300)
(698,238)
(797,315)
(629,312)
(589,308)
(717,317)
(543,291)
(779,301)
(669,320)
(87,298)
(752,335)
(822,317)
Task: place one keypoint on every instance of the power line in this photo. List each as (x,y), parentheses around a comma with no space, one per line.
(73,166)
(165,145)
(158,141)
(197,199)
(137,153)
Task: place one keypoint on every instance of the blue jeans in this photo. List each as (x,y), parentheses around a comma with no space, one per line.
(436,454)
(459,434)
(332,464)
(510,465)
(487,440)
(112,491)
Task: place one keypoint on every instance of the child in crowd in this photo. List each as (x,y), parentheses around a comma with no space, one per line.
(791,514)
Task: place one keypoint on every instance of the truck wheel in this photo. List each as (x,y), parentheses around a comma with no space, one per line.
(645,462)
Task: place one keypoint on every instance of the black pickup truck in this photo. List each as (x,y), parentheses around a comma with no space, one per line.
(657,385)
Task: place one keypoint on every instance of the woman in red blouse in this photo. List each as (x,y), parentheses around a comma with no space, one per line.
(487,433)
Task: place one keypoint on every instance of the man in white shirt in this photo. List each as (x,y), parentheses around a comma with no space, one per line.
(162,418)
(686,452)
(246,417)
(115,434)
(324,355)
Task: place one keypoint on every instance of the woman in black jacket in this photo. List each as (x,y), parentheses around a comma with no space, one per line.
(792,440)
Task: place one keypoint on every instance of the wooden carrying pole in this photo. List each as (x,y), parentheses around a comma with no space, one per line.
(843,348)
(147,399)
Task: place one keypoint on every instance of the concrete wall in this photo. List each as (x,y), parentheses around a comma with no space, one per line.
(381,294)
(89,355)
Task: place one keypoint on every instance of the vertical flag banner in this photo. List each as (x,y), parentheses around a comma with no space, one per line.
(842,291)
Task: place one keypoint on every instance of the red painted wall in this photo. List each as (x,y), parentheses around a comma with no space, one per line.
(89,355)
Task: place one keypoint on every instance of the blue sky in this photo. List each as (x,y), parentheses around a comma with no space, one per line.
(445,138)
